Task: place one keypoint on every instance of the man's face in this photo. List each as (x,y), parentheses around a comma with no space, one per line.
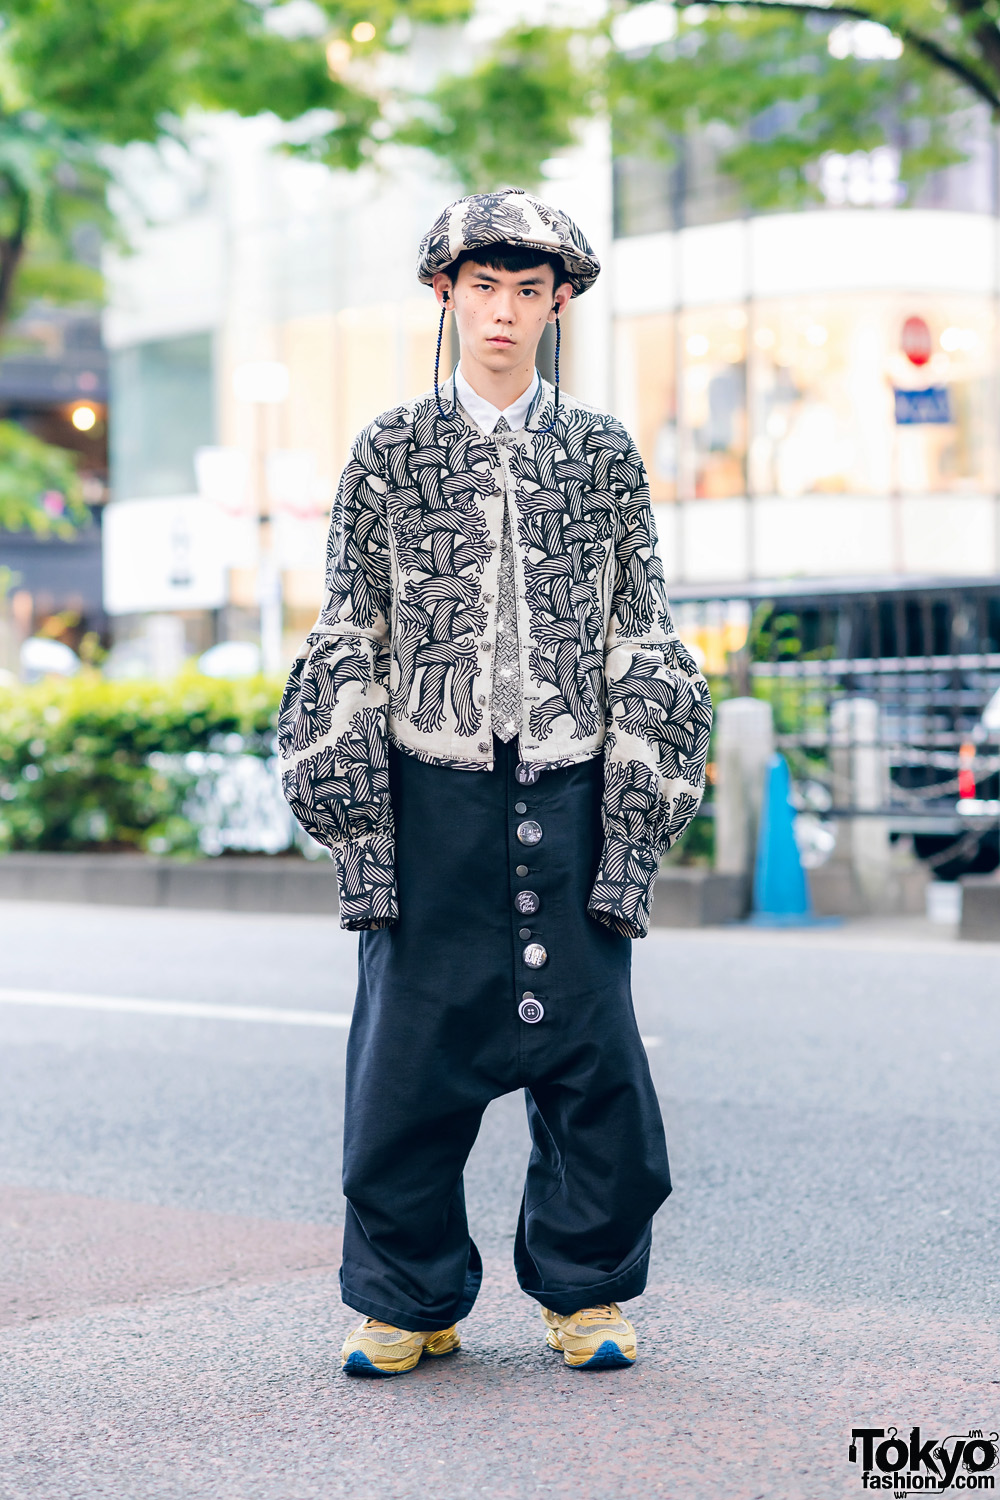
(501,314)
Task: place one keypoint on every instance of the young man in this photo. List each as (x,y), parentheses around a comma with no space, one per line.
(495,730)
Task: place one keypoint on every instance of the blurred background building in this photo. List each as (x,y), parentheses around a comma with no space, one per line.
(814,393)
(53,383)
(271,310)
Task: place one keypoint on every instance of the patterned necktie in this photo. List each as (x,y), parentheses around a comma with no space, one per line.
(506,699)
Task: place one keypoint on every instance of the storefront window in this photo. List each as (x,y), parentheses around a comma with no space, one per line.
(646,396)
(651,193)
(713,407)
(825,417)
(162,410)
(824,375)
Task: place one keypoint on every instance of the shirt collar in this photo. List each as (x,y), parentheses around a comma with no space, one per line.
(485,414)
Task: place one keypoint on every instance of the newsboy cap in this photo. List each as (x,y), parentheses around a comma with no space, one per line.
(509,216)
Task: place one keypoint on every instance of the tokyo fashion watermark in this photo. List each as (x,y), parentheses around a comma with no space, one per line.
(914,1466)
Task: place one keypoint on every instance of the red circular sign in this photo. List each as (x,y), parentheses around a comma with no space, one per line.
(916,341)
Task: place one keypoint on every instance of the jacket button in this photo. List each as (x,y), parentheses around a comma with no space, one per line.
(519,807)
(526,902)
(481,698)
(486,646)
(527,775)
(488,598)
(529,832)
(522,870)
(530,1009)
(483,748)
(535,956)
(524,932)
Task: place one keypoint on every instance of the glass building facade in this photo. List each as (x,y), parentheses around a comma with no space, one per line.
(796,396)
(762,360)
(163,405)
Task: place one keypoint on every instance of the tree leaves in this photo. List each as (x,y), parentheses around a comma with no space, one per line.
(496,124)
(767,75)
(760,78)
(30,471)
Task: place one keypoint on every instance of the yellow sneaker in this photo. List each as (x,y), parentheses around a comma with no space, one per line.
(377,1348)
(595,1338)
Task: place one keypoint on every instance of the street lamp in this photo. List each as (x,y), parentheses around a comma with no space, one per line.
(261,383)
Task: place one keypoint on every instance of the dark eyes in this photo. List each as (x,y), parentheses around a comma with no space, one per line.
(526,291)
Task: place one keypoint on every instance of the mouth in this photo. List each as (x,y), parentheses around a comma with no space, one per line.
(500,342)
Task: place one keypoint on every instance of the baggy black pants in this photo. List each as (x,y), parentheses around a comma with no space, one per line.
(437,1034)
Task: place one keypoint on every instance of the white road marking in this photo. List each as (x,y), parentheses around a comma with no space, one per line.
(193,1010)
(190,1010)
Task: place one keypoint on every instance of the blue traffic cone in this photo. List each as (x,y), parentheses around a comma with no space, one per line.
(780,888)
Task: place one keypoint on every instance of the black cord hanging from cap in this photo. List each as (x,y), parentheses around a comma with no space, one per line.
(555,414)
(437,364)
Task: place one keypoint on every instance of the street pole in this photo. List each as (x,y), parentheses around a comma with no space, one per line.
(269,596)
(264,383)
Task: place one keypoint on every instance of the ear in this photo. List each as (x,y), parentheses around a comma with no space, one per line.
(560,298)
(442,285)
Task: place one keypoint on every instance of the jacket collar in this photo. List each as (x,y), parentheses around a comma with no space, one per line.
(488,415)
(539,412)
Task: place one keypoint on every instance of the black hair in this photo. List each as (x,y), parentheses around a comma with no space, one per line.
(506,257)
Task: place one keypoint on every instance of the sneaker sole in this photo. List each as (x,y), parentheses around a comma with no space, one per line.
(357,1363)
(610,1356)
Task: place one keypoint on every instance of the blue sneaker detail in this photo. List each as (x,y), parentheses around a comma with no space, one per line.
(608,1357)
(359,1364)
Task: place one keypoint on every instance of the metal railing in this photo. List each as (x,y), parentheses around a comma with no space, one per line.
(886,704)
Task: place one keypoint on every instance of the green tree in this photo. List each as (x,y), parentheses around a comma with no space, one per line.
(520,104)
(786,82)
(52,197)
(40,488)
(79,76)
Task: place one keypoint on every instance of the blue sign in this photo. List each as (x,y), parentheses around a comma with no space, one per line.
(930,405)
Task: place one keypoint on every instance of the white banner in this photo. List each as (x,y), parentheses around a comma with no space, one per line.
(163,554)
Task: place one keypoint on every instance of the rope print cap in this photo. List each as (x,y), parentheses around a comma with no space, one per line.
(510,216)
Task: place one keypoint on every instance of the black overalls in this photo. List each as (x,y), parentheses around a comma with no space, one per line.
(493,979)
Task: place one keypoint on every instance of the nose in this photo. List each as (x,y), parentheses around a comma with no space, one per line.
(503,309)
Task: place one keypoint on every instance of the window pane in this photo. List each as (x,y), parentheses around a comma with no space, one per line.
(824,374)
(645,395)
(713,409)
(162,408)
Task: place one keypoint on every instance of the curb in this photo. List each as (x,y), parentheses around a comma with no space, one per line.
(980,921)
(245,883)
(684,897)
(692,896)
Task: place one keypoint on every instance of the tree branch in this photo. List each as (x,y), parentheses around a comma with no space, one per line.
(930,49)
(12,249)
(985,33)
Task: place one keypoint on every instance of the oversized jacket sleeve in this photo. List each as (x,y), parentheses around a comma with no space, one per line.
(332,724)
(659,719)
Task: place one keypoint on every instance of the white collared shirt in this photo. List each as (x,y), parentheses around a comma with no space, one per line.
(485,414)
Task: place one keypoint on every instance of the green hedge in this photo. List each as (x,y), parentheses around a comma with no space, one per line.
(92,764)
(75,757)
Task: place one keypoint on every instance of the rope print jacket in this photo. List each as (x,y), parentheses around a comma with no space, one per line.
(402,648)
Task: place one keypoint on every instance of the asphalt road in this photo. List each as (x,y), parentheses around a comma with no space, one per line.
(169,1200)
